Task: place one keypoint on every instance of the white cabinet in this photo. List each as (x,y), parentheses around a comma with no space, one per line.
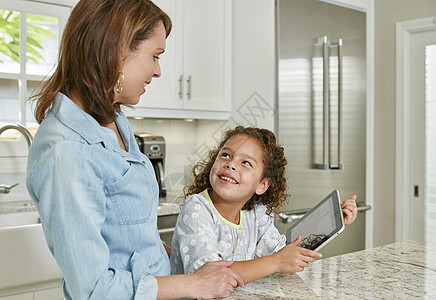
(49,294)
(26,296)
(26,264)
(196,66)
(38,294)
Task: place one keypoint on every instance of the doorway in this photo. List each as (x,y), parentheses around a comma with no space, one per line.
(416,130)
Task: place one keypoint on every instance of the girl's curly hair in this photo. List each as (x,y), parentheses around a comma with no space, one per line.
(274,161)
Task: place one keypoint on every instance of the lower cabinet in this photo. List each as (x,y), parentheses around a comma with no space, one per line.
(27,268)
(26,296)
(46,294)
(49,294)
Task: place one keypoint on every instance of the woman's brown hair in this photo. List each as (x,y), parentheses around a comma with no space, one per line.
(96,35)
(274,161)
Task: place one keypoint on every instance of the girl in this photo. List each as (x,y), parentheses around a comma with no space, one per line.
(226,215)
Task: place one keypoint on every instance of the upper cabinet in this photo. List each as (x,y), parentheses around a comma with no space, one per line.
(196,65)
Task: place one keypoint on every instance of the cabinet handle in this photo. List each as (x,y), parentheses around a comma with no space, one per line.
(188,81)
(181,87)
(166,230)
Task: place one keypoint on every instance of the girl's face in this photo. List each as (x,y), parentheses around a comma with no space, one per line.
(140,66)
(237,173)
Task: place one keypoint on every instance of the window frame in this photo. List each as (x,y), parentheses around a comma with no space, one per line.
(60,9)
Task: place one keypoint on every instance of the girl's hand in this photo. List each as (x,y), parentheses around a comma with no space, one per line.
(349,210)
(216,280)
(291,258)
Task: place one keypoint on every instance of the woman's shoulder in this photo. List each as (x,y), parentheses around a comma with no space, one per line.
(52,136)
(58,144)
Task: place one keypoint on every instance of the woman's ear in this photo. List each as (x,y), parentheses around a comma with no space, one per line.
(263,186)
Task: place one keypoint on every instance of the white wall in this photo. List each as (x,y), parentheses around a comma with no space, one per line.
(387,13)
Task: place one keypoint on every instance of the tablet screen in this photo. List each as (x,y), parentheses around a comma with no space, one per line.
(319,225)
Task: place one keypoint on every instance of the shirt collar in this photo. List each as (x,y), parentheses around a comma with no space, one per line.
(69,114)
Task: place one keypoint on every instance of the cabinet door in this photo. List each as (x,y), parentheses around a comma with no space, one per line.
(207,54)
(27,296)
(163,92)
(49,294)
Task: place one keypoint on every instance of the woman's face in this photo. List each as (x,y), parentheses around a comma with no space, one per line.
(140,66)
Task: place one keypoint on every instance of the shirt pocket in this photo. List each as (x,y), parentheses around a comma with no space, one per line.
(134,196)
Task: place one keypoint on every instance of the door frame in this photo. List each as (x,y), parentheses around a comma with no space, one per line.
(404,32)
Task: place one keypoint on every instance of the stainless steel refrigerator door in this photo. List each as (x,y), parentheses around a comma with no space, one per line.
(322,107)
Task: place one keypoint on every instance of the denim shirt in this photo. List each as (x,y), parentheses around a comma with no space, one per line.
(97,204)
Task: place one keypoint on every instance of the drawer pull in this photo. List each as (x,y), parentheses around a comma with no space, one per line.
(166,230)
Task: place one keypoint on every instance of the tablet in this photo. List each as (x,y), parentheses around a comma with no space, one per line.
(320,225)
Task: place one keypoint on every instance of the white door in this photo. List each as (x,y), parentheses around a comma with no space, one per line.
(422,135)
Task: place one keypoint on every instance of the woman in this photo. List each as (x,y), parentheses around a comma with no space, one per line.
(95,192)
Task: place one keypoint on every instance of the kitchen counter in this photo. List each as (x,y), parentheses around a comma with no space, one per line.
(28,206)
(401,270)
(16,207)
(167,206)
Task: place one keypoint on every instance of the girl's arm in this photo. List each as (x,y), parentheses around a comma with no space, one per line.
(289,259)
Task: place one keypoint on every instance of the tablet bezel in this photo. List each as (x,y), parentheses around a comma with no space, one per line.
(339,219)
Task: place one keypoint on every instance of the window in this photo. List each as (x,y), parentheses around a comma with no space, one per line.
(29,41)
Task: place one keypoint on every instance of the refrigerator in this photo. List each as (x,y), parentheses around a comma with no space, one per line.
(321,117)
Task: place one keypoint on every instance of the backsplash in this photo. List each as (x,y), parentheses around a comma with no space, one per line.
(181,143)
(185,145)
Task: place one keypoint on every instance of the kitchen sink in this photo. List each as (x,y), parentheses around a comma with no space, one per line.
(19,219)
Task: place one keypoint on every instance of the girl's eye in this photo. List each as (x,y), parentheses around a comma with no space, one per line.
(225,155)
(247,163)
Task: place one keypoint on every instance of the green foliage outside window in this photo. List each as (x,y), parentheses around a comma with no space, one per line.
(36,33)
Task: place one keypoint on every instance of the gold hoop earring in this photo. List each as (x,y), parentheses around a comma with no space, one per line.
(119,87)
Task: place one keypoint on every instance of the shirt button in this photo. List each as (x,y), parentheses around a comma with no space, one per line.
(239,248)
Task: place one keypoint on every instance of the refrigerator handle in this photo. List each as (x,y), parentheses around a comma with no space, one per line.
(325,103)
(339,165)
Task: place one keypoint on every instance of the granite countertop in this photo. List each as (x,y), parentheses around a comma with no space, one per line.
(168,205)
(401,270)
(18,200)
(16,206)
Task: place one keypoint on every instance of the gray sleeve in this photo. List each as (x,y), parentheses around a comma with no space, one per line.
(197,236)
(269,239)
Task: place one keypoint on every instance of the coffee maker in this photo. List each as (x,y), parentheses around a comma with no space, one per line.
(153,146)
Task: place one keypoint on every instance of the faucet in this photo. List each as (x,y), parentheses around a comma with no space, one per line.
(5,189)
(23,130)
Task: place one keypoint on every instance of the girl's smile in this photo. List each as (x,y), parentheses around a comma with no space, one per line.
(226,178)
